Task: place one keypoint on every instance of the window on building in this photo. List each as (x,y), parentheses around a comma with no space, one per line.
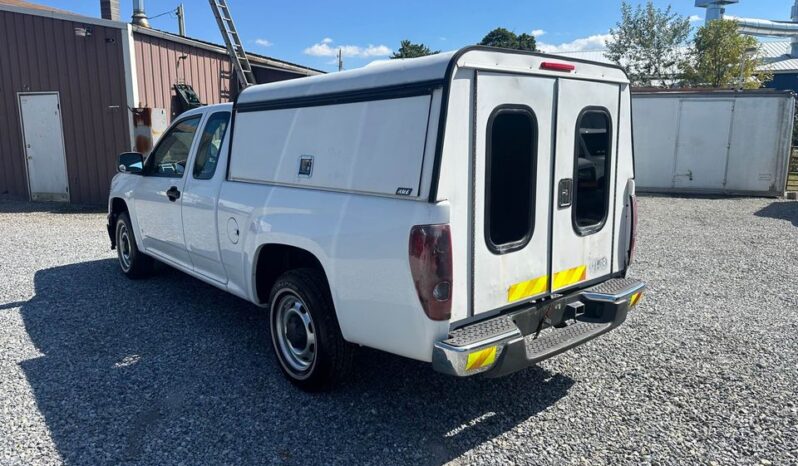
(510,178)
(209,146)
(593,153)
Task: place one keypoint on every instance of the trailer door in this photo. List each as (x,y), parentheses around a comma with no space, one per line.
(584,175)
(511,189)
(702,144)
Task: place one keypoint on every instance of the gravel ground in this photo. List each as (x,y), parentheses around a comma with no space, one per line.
(96,369)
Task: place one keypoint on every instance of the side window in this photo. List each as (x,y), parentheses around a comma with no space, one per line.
(209,145)
(510,178)
(592,170)
(170,157)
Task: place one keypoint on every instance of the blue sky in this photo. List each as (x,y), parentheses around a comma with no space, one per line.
(310,32)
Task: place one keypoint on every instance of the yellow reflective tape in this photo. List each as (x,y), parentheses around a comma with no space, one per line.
(481,358)
(635,298)
(569,277)
(527,289)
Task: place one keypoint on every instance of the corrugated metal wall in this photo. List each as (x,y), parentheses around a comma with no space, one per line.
(209,73)
(42,54)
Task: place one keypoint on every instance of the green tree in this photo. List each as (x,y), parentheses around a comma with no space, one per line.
(719,55)
(408,49)
(649,42)
(501,37)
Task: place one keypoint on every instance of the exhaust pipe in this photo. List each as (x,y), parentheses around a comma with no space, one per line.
(139,14)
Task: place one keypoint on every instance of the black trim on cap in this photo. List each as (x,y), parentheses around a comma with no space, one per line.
(345,97)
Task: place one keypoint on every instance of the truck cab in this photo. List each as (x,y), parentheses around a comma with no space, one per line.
(473,209)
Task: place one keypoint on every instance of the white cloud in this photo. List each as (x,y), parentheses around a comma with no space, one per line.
(695,18)
(595,42)
(326,48)
(538,32)
(264,42)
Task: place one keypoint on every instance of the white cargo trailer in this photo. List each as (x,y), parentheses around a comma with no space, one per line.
(713,142)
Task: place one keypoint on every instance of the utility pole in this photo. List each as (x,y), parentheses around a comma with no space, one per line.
(181,20)
(340,60)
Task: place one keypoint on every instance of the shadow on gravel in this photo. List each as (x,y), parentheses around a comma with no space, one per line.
(780,211)
(169,369)
(8,206)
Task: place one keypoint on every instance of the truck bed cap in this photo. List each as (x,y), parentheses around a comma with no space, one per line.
(432,69)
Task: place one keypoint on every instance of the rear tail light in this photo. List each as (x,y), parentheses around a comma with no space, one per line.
(431,265)
(632,228)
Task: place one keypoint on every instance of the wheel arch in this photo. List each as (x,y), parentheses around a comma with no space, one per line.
(274,259)
(116,206)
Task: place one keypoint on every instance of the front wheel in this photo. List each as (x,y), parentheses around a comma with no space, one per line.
(305,333)
(133,262)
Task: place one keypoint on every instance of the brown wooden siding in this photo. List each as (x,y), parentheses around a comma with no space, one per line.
(209,73)
(39,54)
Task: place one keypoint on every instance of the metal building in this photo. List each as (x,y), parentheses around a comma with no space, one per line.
(69,85)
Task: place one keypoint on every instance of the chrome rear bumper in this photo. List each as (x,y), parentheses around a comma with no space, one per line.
(508,343)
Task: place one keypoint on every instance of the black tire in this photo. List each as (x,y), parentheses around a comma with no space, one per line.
(134,263)
(298,297)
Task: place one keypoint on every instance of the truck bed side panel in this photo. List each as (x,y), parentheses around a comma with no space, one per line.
(366,261)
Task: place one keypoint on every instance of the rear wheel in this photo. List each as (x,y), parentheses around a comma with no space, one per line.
(305,333)
(133,262)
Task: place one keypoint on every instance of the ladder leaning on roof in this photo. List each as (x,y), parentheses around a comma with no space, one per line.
(233,42)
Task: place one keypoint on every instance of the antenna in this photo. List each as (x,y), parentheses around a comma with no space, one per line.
(340,60)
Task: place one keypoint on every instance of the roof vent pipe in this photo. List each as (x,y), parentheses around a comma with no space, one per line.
(109,9)
(139,14)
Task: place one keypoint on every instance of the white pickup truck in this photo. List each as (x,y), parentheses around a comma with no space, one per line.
(472,209)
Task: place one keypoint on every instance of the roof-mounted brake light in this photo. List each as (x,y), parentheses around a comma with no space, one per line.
(554,66)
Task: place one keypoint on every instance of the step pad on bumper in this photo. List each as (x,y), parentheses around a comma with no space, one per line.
(613,290)
(557,339)
(498,327)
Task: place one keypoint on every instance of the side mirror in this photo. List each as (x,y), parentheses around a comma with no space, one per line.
(131,162)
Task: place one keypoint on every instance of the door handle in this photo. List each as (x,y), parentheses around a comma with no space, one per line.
(565,193)
(173,194)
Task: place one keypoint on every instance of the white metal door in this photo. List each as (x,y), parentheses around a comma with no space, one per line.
(44,147)
(702,147)
(584,176)
(512,189)
(203,184)
(159,194)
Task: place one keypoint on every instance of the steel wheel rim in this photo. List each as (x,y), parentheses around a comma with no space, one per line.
(124,247)
(295,332)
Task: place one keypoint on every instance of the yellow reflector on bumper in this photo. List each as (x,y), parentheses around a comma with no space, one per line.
(481,358)
(635,298)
